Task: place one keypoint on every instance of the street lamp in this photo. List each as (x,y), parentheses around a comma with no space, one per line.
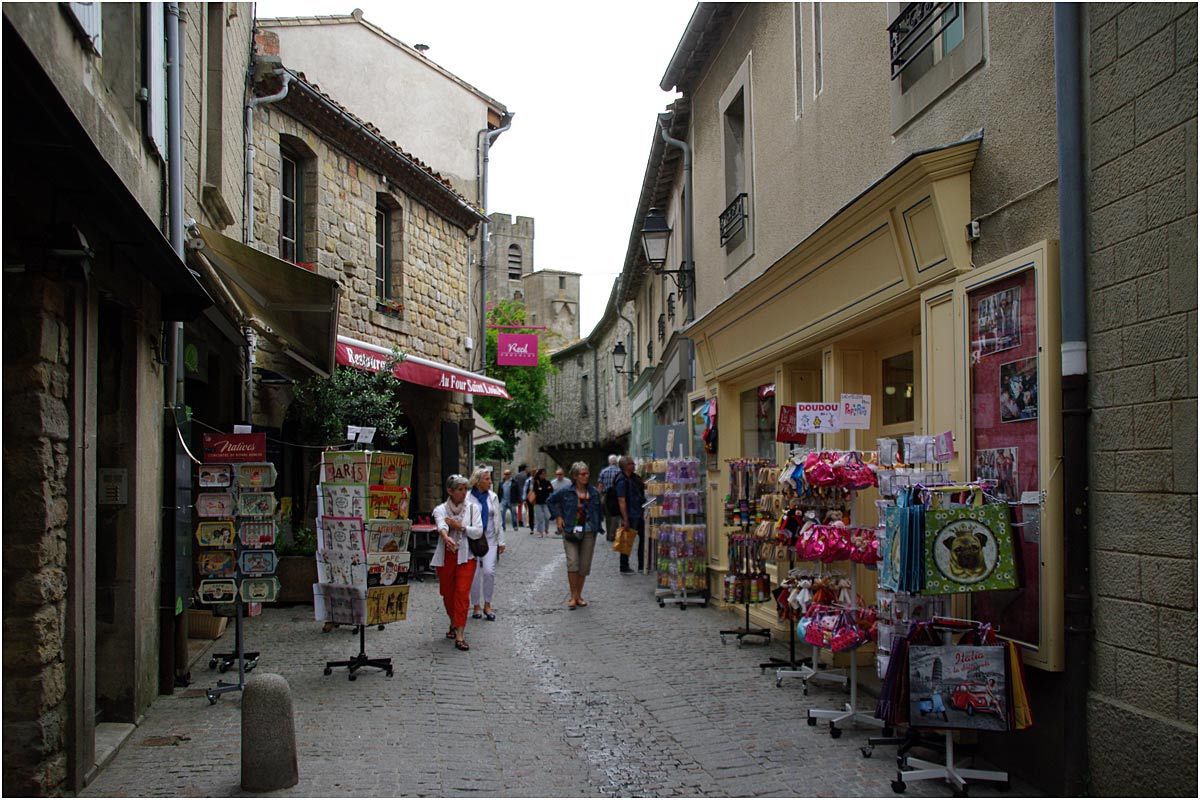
(618,357)
(656,234)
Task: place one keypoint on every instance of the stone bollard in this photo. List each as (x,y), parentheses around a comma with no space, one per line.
(268,735)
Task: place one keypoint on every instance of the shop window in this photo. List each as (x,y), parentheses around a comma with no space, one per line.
(758,422)
(898,406)
(514,263)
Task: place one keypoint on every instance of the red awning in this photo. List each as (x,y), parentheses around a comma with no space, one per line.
(416,370)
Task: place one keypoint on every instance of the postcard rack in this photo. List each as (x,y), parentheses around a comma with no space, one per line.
(680,552)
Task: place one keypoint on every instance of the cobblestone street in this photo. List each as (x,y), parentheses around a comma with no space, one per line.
(620,698)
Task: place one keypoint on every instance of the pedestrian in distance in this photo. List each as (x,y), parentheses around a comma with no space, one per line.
(516,496)
(456,521)
(612,511)
(527,494)
(483,585)
(631,496)
(504,492)
(542,490)
(559,481)
(577,514)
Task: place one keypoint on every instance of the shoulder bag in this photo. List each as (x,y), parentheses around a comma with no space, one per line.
(479,547)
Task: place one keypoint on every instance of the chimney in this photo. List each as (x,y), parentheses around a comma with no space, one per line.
(266,43)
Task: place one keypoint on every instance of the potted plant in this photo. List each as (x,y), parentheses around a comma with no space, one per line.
(297,566)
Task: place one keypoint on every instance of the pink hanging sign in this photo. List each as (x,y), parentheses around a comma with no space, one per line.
(517,349)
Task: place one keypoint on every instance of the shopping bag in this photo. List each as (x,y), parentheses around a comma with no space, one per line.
(969,549)
(958,686)
(624,541)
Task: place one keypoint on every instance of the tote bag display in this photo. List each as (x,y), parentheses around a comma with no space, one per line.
(969,549)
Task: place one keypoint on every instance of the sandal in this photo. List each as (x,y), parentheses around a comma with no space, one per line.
(571,604)
(476,615)
(490,616)
(581,603)
(461,645)
(450,634)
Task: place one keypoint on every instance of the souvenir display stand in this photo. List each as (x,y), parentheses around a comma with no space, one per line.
(680,551)
(363,561)
(744,584)
(235,534)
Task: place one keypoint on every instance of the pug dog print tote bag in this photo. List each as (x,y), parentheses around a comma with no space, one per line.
(969,550)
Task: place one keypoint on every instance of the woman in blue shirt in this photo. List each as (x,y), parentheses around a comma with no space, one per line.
(577,510)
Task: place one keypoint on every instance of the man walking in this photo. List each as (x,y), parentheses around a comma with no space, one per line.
(559,481)
(516,497)
(631,495)
(612,511)
(506,508)
(526,488)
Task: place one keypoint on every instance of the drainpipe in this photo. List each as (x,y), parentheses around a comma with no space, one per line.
(595,388)
(174,186)
(253,103)
(486,138)
(688,263)
(1071,193)
(629,338)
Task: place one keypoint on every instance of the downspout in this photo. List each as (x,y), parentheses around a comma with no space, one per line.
(629,338)
(174,186)
(688,264)
(1071,193)
(251,104)
(595,388)
(487,137)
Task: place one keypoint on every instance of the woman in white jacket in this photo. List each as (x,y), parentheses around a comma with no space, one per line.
(457,520)
(484,584)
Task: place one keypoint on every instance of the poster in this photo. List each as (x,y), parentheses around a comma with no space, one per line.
(786,431)
(388,536)
(344,500)
(256,504)
(215,534)
(1003,321)
(344,467)
(257,533)
(958,686)
(1019,390)
(969,549)
(218,591)
(256,475)
(216,563)
(387,604)
(391,469)
(388,502)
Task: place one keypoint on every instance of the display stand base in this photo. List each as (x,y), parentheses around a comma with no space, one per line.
(361,660)
(916,769)
(808,674)
(223,662)
(742,633)
(667,597)
(846,714)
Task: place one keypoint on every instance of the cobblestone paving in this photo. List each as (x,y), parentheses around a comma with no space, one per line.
(620,698)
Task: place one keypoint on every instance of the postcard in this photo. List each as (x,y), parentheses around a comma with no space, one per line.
(344,467)
(387,604)
(388,502)
(256,504)
(344,534)
(215,534)
(344,500)
(215,476)
(391,469)
(340,568)
(215,504)
(216,563)
(256,475)
(342,604)
(218,591)
(388,536)
(387,569)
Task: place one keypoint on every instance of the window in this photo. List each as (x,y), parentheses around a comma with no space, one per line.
(86,19)
(818,51)
(214,90)
(514,263)
(735,143)
(583,396)
(291,212)
(798,50)
(736,125)
(898,404)
(932,47)
(758,422)
(383,253)
(662,327)
(562,283)
(671,307)
(916,50)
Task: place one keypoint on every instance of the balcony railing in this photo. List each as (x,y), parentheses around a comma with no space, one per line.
(662,327)
(733,218)
(918,25)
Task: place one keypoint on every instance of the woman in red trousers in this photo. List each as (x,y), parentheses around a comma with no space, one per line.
(456,520)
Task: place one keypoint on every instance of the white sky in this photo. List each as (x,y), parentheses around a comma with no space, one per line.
(582,79)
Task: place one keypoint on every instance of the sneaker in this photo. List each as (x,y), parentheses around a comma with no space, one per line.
(627,571)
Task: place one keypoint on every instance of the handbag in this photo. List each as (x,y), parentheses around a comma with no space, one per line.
(478,547)
(624,541)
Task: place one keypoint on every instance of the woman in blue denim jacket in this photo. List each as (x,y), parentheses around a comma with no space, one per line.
(577,510)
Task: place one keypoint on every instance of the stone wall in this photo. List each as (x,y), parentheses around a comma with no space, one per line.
(503,232)
(552,301)
(1142,341)
(37,465)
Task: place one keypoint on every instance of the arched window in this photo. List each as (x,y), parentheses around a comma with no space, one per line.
(514,262)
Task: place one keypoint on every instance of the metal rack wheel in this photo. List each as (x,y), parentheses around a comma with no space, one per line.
(960,792)
(353,677)
(835,733)
(389,673)
(661,604)
(898,786)
(812,722)
(866,750)
(212,663)
(212,697)
(328,671)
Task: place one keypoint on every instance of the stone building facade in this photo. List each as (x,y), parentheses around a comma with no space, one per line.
(509,255)
(1142,351)
(552,301)
(354,181)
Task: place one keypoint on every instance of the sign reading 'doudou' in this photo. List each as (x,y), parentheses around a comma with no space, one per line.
(517,350)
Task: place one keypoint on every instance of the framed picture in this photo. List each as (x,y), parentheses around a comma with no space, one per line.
(999,465)
(215,504)
(215,476)
(218,591)
(215,534)
(997,322)
(256,504)
(216,563)
(256,475)
(1019,390)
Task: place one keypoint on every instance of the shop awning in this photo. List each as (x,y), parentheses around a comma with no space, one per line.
(417,370)
(484,432)
(295,308)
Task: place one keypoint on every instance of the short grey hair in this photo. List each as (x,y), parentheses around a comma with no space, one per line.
(478,474)
(623,460)
(456,481)
(612,460)
(578,467)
